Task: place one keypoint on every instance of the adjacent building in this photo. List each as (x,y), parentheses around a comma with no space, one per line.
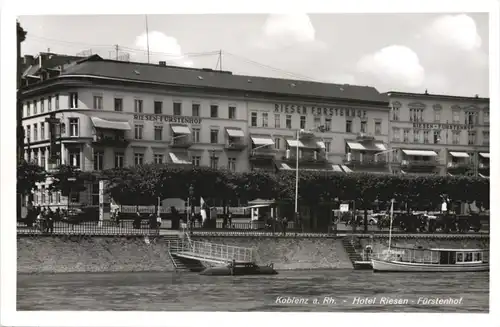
(439,134)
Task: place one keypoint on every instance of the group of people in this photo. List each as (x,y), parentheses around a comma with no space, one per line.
(43,217)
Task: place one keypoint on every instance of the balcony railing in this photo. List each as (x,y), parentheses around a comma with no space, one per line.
(263,153)
(305,159)
(365,162)
(419,163)
(235,146)
(108,140)
(181,142)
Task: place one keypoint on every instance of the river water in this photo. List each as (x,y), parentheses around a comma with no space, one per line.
(332,290)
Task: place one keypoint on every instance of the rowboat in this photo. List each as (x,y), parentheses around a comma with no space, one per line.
(431,260)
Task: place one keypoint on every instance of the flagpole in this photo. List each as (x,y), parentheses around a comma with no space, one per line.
(390,227)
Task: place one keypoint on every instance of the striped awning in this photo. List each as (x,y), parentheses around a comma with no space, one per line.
(423,153)
(180,129)
(262,140)
(234,132)
(110,124)
(459,154)
(355,146)
(177,159)
(346,169)
(295,143)
(484,154)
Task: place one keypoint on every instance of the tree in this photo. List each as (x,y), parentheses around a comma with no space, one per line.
(68,179)
(28,175)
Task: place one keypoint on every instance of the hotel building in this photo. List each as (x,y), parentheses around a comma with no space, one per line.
(439,134)
(97,114)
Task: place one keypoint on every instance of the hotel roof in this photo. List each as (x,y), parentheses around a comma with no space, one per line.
(97,67)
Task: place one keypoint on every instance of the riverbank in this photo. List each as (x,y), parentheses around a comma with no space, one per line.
(59,254)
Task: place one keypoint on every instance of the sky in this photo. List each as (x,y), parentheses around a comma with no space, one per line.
(440,53)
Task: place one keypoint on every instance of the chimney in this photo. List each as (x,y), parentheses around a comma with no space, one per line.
(29,60)
(163,63)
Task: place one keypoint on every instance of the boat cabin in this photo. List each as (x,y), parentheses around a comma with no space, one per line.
(461,256)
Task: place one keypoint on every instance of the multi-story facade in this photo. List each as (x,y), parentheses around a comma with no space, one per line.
(98,114)
(439,134)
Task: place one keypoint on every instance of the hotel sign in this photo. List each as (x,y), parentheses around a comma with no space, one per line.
(455,127)
(318,111)
(169,119)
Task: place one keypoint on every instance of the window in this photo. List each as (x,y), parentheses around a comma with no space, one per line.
(195,108)
(363,127)
(42,105)
(119,159)
(396,134)
(486,117)
(138,131)
(28,108)
(73,127)
(51,198)
(98,160)
(455,137)
(35,132)
(196,135)
(471,138)
(214,111)
(317,122)
(437,116)
(406,132)
(58,197)
(42,131)
(98,102)
(49,103)
(328,145)
(138,106)
(426,136)
(277,143)
(35,109)
(456,116)
(43,196)
(416,114)
(395,113)
(486,138)
(231,112)
(277,121)
(348,126)
(158,158)
(158,133)
(57,101)
(138,159)
(328,124)
(196,161)
(73,100)
(302,122)
(265,119)
(214,136)
(437,137)
(158,107)
(74,158)
(253,119)
(378,128)
(288,121)
(42,159)
(470,118)
(416,136)
(177,109)
(28,132)
(231,164)
(214,162)
(118,104)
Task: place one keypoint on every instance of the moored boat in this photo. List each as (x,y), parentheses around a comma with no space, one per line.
(431,260)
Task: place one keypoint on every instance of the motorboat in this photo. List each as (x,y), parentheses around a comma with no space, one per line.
(431,260)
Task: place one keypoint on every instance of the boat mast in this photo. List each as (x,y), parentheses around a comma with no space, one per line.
(390,227)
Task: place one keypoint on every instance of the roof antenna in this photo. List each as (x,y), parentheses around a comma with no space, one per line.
(147,36)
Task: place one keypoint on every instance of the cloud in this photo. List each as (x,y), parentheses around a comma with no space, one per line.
(394,65)
(457,31)
(163,48)
(285,31)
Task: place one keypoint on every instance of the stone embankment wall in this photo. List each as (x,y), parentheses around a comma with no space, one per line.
(45,254)
(292,253)
(56,254)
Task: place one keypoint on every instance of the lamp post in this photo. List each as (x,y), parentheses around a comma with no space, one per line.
(190,208)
